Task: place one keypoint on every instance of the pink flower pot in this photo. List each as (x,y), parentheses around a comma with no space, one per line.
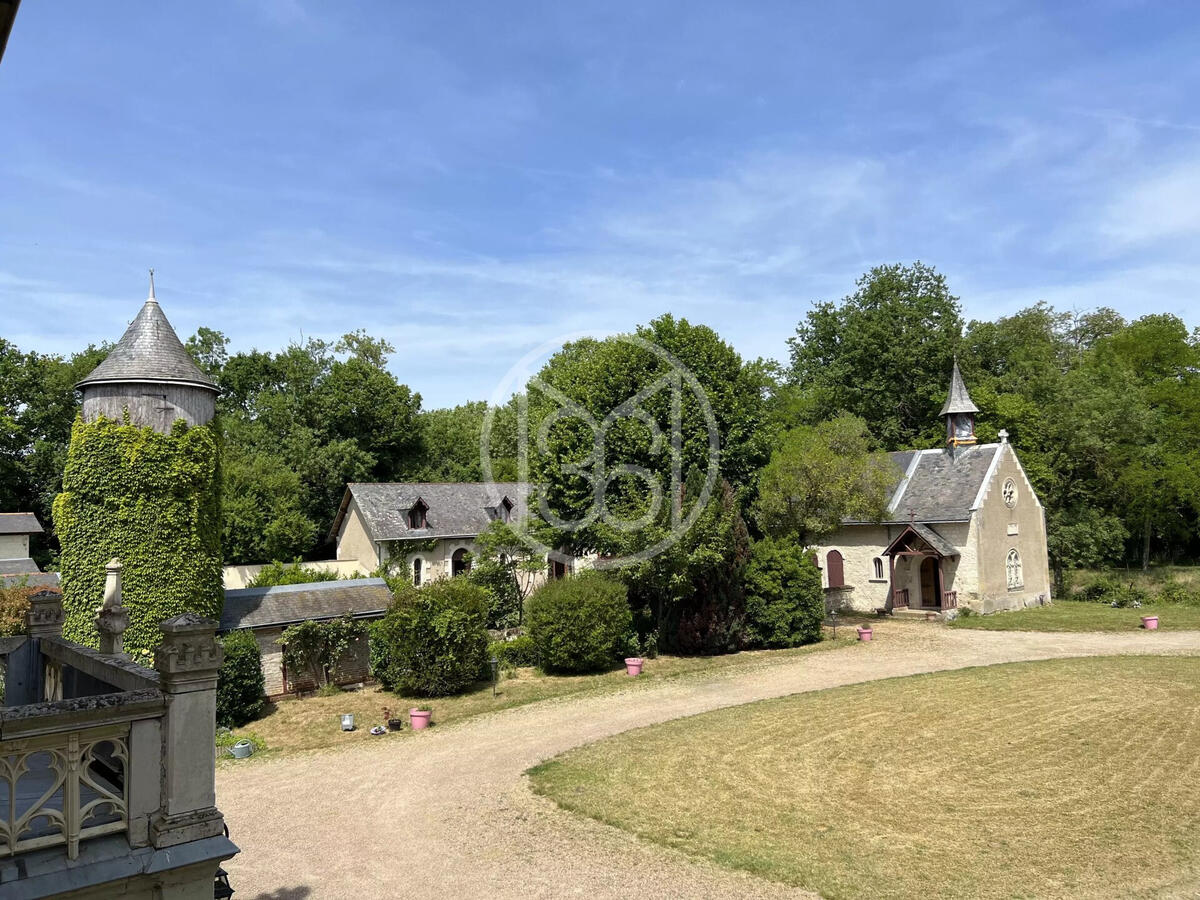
(1150,623)
(419,718)
(864,634)
(633,665)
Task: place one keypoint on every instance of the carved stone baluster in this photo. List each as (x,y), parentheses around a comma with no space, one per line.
(71,796)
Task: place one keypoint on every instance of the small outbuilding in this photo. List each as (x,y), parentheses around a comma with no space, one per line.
(16,564)
(267,611)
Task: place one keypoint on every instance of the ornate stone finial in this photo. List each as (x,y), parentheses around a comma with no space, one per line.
(189,656)
(112,618)
(152,297)
(1003,435)
(45,617)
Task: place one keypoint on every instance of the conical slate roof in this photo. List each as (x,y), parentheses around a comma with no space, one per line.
(959,400)
(149,350)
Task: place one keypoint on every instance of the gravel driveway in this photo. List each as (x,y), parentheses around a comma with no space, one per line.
(448,813)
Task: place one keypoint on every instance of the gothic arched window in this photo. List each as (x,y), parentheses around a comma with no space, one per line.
(1012,567)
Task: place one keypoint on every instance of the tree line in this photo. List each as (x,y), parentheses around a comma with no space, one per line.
(1104,412)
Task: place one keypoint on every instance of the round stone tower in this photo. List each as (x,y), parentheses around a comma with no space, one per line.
(150,374)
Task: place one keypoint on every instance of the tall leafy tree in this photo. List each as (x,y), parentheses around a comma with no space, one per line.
(883,353)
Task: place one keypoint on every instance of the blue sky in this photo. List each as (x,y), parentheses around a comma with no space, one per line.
(470,180)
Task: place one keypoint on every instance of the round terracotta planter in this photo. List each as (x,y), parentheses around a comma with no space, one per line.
(419,718)
(1150,623)
(633,665)
(864,634)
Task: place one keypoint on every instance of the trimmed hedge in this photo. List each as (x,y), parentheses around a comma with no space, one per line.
(240,684)
(579,624)
(785,604)
(153,501)
(433,640)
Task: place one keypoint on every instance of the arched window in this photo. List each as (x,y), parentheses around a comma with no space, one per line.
(833,565)
(460,562)
(417,571)
(1013,568)
(878,569)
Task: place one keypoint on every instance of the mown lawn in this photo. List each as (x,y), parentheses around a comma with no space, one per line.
(1070,778)
(1073,615)
(314,722)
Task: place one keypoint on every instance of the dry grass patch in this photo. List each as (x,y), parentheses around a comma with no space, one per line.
(1073,615)
(1071,778)
(314,722)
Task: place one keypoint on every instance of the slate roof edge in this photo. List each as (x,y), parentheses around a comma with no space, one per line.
(273,623)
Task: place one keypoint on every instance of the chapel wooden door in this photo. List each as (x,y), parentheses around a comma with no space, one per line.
(929,595)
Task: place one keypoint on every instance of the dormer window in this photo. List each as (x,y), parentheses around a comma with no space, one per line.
(416,516)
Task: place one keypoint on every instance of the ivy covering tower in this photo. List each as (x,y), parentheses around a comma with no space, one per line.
(142,484)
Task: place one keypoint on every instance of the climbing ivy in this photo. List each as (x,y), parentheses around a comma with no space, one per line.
(153,501)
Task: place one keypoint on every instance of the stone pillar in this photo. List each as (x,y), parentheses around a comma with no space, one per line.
(187,661)
(112,618)
(45,617)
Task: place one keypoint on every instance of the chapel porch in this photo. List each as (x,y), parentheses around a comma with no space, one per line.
(920,574)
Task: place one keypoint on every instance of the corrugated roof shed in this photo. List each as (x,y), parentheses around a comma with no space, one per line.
(290,603)
(454,509)
(19,523)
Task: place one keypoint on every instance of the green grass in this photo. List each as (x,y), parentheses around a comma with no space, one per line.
(1072,615)
(314,722)
(1151,580)
(1071,778)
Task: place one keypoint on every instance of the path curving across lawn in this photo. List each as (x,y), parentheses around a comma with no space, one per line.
(450,813)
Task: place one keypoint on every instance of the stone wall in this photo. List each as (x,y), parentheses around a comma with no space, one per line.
(1001,528)
(14,546)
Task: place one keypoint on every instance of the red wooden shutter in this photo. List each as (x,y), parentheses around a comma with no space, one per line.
(833,563)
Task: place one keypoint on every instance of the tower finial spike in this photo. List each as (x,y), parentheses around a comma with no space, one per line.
(152,297)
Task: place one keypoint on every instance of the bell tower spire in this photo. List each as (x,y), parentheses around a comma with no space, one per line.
(959,411)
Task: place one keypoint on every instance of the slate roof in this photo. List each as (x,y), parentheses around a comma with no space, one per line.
(149,350)
(291,603)
(19,523)
(29,579)
(928,534)
(941,486)
(455,509)
(959,401)
(22,566)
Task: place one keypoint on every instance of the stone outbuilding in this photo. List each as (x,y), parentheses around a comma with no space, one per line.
(964,527)
(16,564)
(428,527)
(266,612)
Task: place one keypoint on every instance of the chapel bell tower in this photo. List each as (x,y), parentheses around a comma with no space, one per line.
(959,412)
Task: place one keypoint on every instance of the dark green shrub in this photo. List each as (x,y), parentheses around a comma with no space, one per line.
(433,641)
(1180,594)
(579,624)
(379,657)
(785,604)
(240,685)
(1102,590)
(514,654)
(499,580)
